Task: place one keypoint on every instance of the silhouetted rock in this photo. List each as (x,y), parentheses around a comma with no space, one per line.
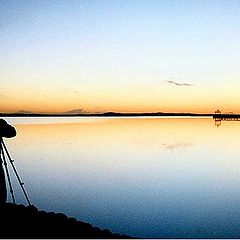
(19,221)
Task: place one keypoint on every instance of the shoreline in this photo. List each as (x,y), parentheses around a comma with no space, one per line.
(19,221)
(126,115)
(109,114)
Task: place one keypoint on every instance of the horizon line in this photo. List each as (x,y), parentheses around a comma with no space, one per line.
(111,113)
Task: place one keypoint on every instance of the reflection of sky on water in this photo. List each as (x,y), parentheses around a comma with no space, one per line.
(153,177)
(173,146)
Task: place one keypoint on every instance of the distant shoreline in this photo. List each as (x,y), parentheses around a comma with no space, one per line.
(106,114)
(116,114)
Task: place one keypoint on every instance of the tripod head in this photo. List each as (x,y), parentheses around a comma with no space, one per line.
(6,130)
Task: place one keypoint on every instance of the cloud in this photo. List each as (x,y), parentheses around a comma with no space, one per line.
(70,90)
(179,84)
(76,111)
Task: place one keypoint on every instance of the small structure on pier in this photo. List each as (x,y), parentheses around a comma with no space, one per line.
(217,111)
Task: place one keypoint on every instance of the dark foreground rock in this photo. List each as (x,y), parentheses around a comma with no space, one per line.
(19,221)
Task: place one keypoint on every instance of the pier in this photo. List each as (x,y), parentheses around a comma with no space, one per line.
(218,117)
(227,117)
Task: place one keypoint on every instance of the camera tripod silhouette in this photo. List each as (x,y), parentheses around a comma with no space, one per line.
(4,156)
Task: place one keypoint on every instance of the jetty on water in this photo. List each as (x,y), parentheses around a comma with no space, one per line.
(219,117)
(226,116)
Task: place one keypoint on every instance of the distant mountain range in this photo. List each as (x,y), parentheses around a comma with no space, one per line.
(105,114)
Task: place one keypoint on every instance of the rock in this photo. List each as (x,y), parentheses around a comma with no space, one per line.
(19,221)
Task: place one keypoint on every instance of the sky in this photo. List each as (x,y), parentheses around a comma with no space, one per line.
(119,55)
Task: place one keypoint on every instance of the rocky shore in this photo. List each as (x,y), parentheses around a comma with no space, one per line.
(19,221)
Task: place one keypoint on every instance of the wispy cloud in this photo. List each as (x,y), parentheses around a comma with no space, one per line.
(180,84)
(72,91)
(76,111)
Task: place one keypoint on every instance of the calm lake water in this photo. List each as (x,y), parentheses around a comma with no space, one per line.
(146,177)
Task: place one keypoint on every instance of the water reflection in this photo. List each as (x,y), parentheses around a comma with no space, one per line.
(218,120)
(153,177)
(174,146)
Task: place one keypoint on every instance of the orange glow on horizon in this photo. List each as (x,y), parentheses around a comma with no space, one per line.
(148,99)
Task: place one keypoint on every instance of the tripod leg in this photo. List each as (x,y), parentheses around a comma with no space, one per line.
(8,176)
(16,173)
(3,189)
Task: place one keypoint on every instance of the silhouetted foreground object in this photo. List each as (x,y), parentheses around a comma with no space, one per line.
(6,130)
(18,221)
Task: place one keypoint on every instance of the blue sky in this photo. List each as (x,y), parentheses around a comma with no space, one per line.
(116,51)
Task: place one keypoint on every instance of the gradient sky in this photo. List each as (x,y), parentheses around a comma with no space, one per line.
(127,56)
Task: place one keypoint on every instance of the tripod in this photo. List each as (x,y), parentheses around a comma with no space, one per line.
(3,153)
